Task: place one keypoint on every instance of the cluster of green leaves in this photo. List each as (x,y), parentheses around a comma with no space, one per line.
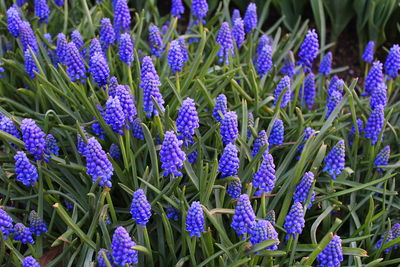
(358,206)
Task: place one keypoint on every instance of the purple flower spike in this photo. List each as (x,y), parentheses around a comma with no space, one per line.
(150,85)
(175,56)
(264,179)
(171,155)
(382,158)
(95,47)
(335,84)
(126,48)
(140,208)
(114,115)
(26,172)
(62,47)
(243,219)
(155,41)
(177,8)
(97,163)
(392,64)
(277,133)
(229,161)
(6,223)
(7,125)
(23,234)
(51,144)
(351,135)
(295,222)
(199,9)
(264,60)
(99,69)
(238,32)
(308,50)
(195,219)
(235,15)
(378,96)
(368,54)
(303,189)
(225,40)
(221,106)
(283,83)
(309,90)
(250,18)
(127,101)
(34,139)
(122,17)
(326,63)
(115,152)
(188,120)
(107,33)
(288,66)
(332,255)
(263,230)
(101,262)
(77,39)
(30,64)
(27,37)
(375,123)
(75,65)
(234,189)
(30,262)
(148,66)
(229,128)
(14,21)
(335,160)
(332,101)
(261,140)
(121,246)
(42,10)
(374,77)
(37,225)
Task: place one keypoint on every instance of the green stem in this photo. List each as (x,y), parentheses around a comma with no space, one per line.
(178,86)
(148,245)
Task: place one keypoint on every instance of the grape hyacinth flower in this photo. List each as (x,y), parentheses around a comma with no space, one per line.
(177,8)
(114,115)
(172,212)
(229,128)
(335,160)
(75,65)
(335,84)
(155,41)
(107,33)
(229,161)
(250,18)
(175,56)
(283,83)
(30,262)
(261,141)
(238,32)
(22,233)
(185,54)
(99,69)
(8,126)
(98,130)
(42,10)
(303,189)
(374,77)
(115,152)
(77,39)
(59,2)
(140,208)
(81,143)
(95,47)
(277,133)
(234,189)
(332,101)
(351,135)
(14,21)
(375,123)
(61,48)
(332,255)
(308,132)
(250,123)
(270,217)
(235,15)
(37,225)
(34,139)
(137,129)
(386,237)
(308,50)
(30,64)
(294,222)
(221,106)
(326,63)
(26,172)
(264,40)
(122,17)
(6,223)
(243,219)
(309,90)
(97,163)
(368,54)
(27,37)
(264,60)
(126,47)
(382,158)
(288,68)
(264,178)
(127,102)
(263,230)
(101,262)
(148,66)
(188,120)
(392,64)
(121,245)
(225,40)
(195,219)
(51,144)
(150,85)
(199,9)
(171,155)
(378,96)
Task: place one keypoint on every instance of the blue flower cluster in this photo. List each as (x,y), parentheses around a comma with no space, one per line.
(195,219)
(140,208)
(243,219)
